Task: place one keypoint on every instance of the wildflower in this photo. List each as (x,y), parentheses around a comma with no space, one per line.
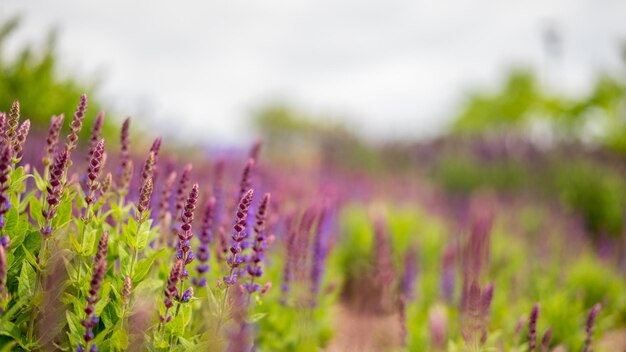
(103,247)
(156,147)
(319,252)
(13,122)
(254,268)
(127,289)
(93,173)
(148,167)
(409,275)
(54,190)
(183,248)
(145,193)
(3,124)
(532,327)
(545,341)
(5,169)
(187,295)
(105,186)
(20,139)
(95,134)
(205,238)
(239,235)
(91,321)
(170,291)
(77,124)
(246,182)
(183,183)
(125,172)
(164,213)
(56,122)
(591,321)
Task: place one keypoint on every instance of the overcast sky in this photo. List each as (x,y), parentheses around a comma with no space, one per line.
(390,68)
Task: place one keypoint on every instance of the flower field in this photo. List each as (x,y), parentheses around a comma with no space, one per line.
(108,246)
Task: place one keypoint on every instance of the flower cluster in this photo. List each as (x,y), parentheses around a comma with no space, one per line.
(239,235)
(205,238)
(254,268)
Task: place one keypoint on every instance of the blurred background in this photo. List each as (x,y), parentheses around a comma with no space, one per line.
(521,98)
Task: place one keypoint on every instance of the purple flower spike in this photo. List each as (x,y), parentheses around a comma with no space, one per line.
(95,134)
(93,173)
(589,326)
(246,178)
(125,172)
(410,274)
(20,139)
(144,199)
(77,124)
(13,121)
(92,320)
(5,169)
(206,234)
(532,327)
(54,191)
(170,291)
(545,341)
(181,192)
(258,248)
(52,141)
(239,235)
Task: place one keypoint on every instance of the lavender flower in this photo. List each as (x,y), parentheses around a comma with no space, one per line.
(156,147)
(54,190)
(3,124)
(239,235)
(95,134)
(591,321)
(93,173)
(77,124)
(20,139)
(5,169)
(56,122)
(205,238)
(145,193)
(170,291)
(164,214)
(91,321)
(532,327)
(187,295)
(183,248)
(13,121)
(254,267)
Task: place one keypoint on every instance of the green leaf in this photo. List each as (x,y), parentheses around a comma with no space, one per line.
(64,213)
(141,269)
(143,234)
(255,317)
(89,242)
(35,211)
(26,281)
(40,183)
(73,321)
(119,340)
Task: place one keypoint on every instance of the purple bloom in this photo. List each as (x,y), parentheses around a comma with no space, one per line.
(205,238)
(20,139)
(181,192)
(56,122)
(532,327)
(170,291)
(13,121)
(125,172)
(145,194)
(77,124)
(54,190)
(93,173)
(239,235)
(92,320)
(409,276)
(5,169)
(95,134)
(589,326)
(254,269)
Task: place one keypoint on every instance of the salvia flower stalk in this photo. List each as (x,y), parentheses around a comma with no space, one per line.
(12,122)
(205,237)
(77,124)
(20,139)
(532,327)
(145,194)
(92,320)
(181,192)
(5,169)
(254,268)
(52,141)
(54,191)
(235,259)
(589,327)
(96,130)
(125,172)
(183,248)
(545,340)
(3,125)
(93,174)
(171,291)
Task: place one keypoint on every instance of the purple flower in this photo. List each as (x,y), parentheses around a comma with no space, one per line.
(591,321)
(545,341)
(164,200)
(93,173)
(187,295)
(92,320)
(448,275)
(56,122)
(125,172)
(532,327)
(5,169)
(77,124)
(145,194)
(95,134)
(258,248)
(103,247)
(205,238)
(181,192)
(170,291)
(54,190)
(409,276)
(13,121)
(148,166)
(246,179)
(20,139)
(239,235)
